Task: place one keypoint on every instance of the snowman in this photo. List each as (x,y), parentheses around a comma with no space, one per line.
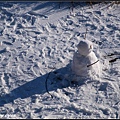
(85,64)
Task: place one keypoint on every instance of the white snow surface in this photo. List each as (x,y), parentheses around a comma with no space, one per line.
(37,43)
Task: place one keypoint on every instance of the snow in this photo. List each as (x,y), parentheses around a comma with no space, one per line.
(85,63)
(38,44)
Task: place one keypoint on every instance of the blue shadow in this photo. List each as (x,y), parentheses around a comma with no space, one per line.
(37,86)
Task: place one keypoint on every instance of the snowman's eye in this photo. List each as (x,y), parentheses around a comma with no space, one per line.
(90,47)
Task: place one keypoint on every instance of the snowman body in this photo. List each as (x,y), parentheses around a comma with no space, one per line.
(85,63)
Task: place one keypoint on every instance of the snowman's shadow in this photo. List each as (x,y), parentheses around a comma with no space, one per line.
(53,81)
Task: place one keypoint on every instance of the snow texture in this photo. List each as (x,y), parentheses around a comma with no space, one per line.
(48,70)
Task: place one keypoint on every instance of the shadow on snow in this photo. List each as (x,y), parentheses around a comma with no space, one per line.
(38,86)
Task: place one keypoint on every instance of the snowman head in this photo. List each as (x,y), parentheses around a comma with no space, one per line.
(85,47)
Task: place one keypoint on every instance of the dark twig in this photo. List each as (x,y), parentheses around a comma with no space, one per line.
(91,4)
(46,85)
(72,5)
(60,4)
(47,80)
(92,63)
(85,34)
(113,60)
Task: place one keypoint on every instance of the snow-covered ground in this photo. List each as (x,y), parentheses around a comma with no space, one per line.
(37,44)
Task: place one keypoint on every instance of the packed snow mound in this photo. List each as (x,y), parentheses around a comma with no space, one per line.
(85,63)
